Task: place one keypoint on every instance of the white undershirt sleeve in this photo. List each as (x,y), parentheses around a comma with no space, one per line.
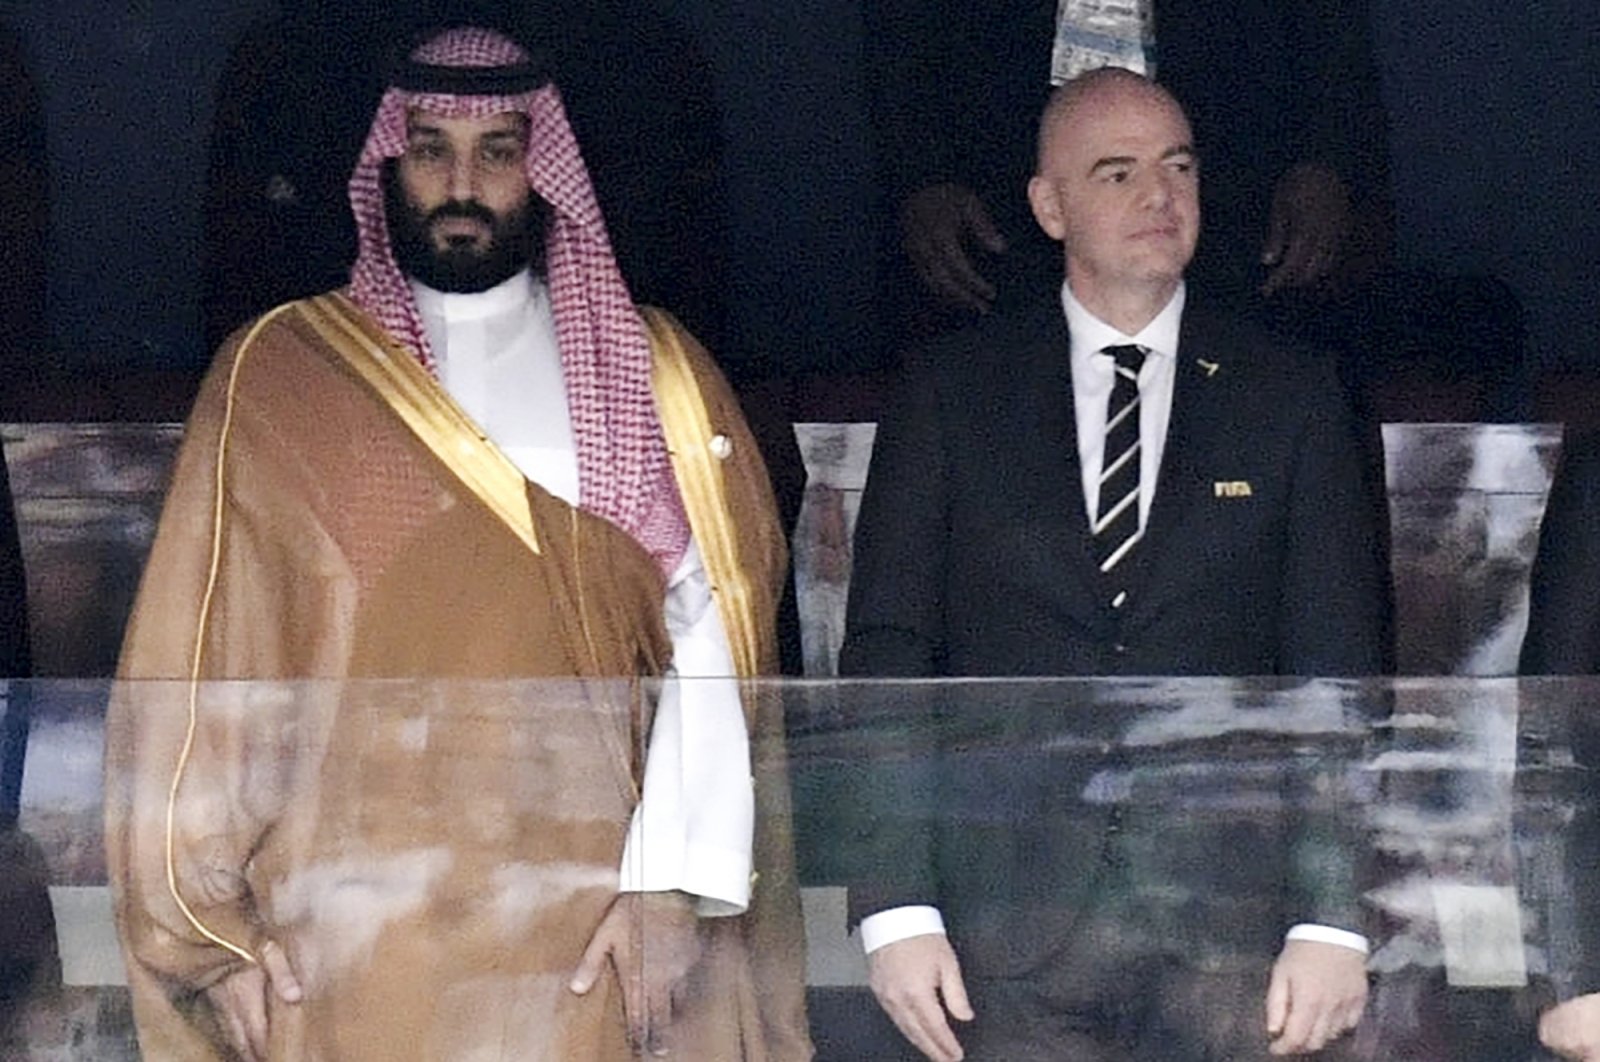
(693,827)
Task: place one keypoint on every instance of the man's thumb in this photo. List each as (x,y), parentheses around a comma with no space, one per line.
(1277,1003)
(590,966)
(280,973)
(954,991)
(982,226)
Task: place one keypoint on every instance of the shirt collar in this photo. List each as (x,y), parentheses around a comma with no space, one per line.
(1090,335)
(452,307)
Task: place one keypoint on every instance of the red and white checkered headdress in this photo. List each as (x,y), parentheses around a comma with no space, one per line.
(624,472)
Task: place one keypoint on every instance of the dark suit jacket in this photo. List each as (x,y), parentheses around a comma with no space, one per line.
(973,557)
(1564,639)
(1563,611)
(973,554)
(15,661)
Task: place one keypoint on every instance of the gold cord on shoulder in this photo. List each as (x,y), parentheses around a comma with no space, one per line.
(195,666)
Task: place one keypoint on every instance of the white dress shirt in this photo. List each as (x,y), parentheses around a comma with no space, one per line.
(498,357)
(1093,375)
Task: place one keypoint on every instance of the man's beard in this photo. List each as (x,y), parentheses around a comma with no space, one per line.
(516,242)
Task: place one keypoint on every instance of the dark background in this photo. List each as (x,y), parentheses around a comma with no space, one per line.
(1494,119)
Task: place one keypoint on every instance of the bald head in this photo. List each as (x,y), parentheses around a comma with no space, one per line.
(1117,185)
(1097,91)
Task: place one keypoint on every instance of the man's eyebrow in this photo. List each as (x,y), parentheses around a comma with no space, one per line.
(415,126)
(1111,162)
(1115,161)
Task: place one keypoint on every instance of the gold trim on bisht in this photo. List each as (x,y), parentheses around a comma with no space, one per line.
(698,448)
(425,408)
(197,657)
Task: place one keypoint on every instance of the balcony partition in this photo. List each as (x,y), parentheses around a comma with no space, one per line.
(1130,849)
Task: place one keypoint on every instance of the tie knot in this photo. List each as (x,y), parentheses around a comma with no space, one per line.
(1128,356)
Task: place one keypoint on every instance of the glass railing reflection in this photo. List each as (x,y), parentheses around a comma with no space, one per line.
(1122,857)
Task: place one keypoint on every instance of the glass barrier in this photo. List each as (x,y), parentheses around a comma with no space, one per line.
(404,869)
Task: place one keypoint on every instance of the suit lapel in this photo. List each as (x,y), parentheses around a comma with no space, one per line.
(1059,414)
(1060,405)
(1154,568)
(1049,384)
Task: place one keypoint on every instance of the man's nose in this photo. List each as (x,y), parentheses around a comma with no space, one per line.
(463,178)
(1157,190)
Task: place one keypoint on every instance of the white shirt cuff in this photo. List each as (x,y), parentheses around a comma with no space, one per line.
(1328,935)
(719,877)
(899,923)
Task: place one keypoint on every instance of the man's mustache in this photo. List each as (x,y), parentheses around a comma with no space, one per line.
(466,209)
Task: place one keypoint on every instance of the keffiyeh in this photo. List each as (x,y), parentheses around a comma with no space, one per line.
(624,471)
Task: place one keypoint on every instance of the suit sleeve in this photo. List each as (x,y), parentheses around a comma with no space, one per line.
(15,661)
(1582,850)
(1564,639)
(1563,613)
(1332,623)
(1331,608)
(894,623)
(894,629)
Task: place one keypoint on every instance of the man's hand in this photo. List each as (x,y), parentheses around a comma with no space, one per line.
(653,941)
(938,226)
(1316,995)
(1307,228)
(1572,1029)
(240,1000)
(916,980)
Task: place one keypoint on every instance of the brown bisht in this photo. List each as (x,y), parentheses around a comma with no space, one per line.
(432,854)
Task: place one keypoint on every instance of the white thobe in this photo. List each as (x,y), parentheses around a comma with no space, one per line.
(498,357)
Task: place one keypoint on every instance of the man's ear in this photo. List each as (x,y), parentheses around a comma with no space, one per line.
(1048,211)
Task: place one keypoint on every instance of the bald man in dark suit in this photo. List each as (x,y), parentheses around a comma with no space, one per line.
(1121,482)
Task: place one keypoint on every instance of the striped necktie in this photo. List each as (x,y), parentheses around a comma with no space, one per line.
(1116,525)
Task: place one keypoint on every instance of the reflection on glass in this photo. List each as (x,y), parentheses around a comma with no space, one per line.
(1114,859)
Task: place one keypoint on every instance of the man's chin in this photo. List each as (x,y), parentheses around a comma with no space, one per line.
(465,274)
(1165,265)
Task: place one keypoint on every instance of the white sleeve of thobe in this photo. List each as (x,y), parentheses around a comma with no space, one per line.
(693,826)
